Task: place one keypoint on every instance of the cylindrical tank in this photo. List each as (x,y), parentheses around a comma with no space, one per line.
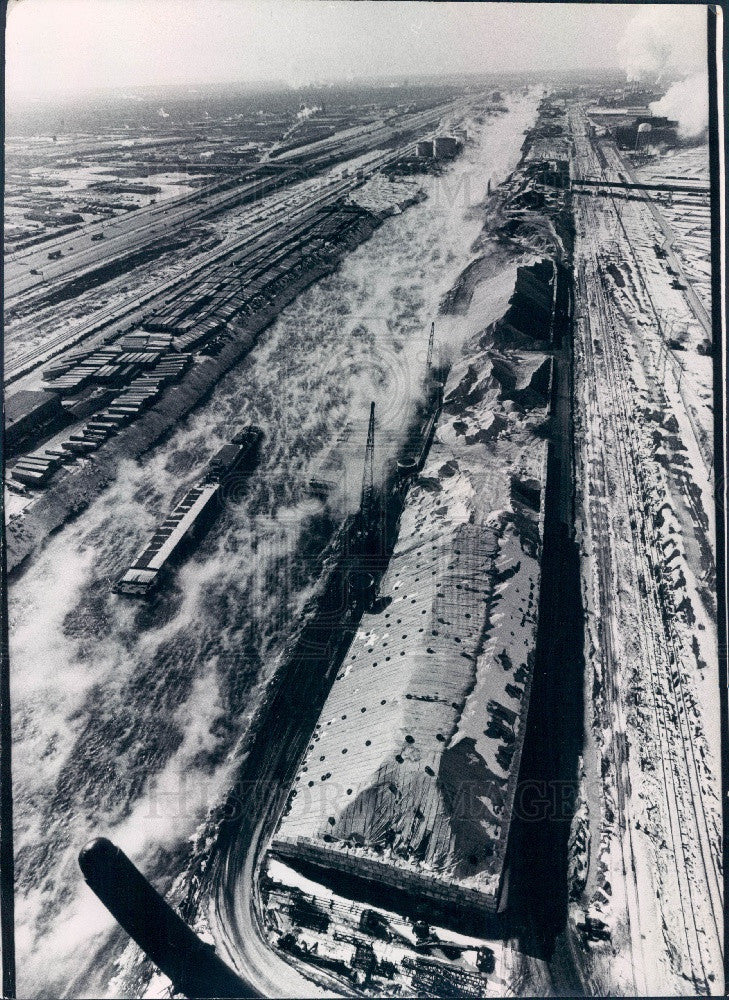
(445,146)
(163,936)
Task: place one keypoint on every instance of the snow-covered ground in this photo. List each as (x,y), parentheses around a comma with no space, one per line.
(450,650)
(432,696)
(124,716)
(689,216)
(645,518)
(415,757)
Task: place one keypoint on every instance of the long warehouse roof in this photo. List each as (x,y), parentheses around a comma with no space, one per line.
(414,761)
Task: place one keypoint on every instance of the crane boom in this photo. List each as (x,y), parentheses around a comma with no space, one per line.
(429,360)
(368,476)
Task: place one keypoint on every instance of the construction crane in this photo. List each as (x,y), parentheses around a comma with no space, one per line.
(368,476)
(435,375)
(429,360)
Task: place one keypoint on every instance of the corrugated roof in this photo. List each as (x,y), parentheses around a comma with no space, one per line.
(415,754)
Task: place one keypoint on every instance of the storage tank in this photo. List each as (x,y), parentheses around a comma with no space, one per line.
(446,146)
(644,130)
(424,149)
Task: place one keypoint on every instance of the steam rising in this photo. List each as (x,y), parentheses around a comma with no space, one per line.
(688,103)
(661,41)
(305,113)
(125,717)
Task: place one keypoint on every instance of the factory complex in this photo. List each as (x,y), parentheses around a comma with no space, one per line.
(409,780)
(424,711)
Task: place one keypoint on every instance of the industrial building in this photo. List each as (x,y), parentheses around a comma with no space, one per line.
(644,129)
(30,415)
(445,147)
(409,779)
(631,129)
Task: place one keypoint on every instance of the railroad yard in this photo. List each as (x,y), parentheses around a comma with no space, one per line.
(359,500)
(646,520)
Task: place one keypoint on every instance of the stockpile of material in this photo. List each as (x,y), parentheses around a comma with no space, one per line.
(410,776)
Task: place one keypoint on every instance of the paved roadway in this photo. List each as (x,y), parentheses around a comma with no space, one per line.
(236,926)
(235,905)
(284,212)
(122,235)
(234,902)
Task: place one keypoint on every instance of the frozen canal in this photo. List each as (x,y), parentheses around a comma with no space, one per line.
(125,715)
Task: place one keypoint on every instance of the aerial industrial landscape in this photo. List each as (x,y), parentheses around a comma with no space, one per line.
(360,536)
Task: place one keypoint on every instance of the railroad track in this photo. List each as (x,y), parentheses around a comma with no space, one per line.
(684,801)
(596,512)
(669,780)
(697,306)
(303,201)
(179,283)
(652,620)
(666,599)
(219,196)
(704,447)
(678,371)
(674,678)
(597,162)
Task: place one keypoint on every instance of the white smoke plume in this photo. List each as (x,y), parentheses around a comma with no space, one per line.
(662,41)
(304,113)
(688,103)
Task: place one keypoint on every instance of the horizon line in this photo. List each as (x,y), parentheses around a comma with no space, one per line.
(402,79)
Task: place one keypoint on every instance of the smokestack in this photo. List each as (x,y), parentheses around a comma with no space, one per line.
(191,964)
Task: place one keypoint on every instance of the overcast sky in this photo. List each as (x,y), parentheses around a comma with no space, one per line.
(61,46)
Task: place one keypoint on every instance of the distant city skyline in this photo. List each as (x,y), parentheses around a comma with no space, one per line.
(65,47)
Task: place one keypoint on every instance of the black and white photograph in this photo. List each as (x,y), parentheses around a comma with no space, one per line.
(363,553)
